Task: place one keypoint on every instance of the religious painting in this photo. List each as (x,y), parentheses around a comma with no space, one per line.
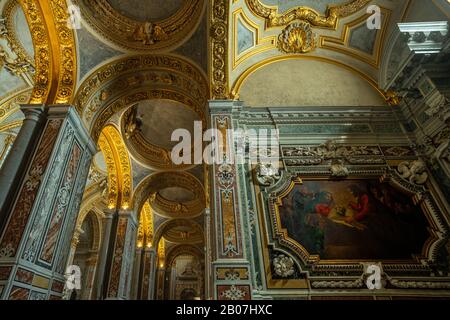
(354,220)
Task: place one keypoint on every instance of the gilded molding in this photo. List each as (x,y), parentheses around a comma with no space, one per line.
(149,187)
(341,44)
(132,35)
(113,180)
(119,168)
(8,14)
(146,152)
(181,231)
(54,50)
(328,21)
(219,49)
(126,81)
(11,104)
(145,230)
(387,96)
(260,44)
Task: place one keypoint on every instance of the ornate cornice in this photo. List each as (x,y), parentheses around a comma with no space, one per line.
(329,21)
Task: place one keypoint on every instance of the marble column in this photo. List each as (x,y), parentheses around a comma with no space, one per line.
(91,265)
(146,271)
(160,274)
(40,213)
(103,254)
(208,256)
(119,264)
(229,256)
(137,276)
(14,166)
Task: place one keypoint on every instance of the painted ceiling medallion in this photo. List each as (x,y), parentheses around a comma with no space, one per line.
(297,38)
(148,33)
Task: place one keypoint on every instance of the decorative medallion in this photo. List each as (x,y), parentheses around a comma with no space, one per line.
(297,38)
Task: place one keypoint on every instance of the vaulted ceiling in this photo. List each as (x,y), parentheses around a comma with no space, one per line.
(147,67)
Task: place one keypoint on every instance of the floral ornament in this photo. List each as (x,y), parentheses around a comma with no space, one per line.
(233,293)
(283,266)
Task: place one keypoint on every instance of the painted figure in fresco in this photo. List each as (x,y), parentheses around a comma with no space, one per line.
(324,203)
(361,207)
(354,220)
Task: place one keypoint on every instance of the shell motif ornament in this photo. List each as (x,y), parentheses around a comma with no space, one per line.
(297,38)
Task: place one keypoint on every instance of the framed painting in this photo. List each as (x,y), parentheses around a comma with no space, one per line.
(353,219)
(323,232)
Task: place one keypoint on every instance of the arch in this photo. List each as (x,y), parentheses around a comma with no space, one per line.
(119,168)
(54,51)
(196,229)
(236,88)
(149,187)
(178,250)
(145,230)
(123,82)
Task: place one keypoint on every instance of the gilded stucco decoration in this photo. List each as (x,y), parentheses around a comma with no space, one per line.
(149,189)
(330,20)
(145,231)
(151,154)
(119,84)
(13,56)
(54,49)
(161,252)
(119,168)
(219,46)
(180,231)
(297,38)
(11,104)
(133,35)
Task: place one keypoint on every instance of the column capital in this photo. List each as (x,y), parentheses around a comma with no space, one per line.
(109,213)
(130,214)
(32,111)
(69,112)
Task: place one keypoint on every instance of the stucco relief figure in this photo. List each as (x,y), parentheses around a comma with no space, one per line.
(415,172)
(149,33)
(133,125)
(13,66)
